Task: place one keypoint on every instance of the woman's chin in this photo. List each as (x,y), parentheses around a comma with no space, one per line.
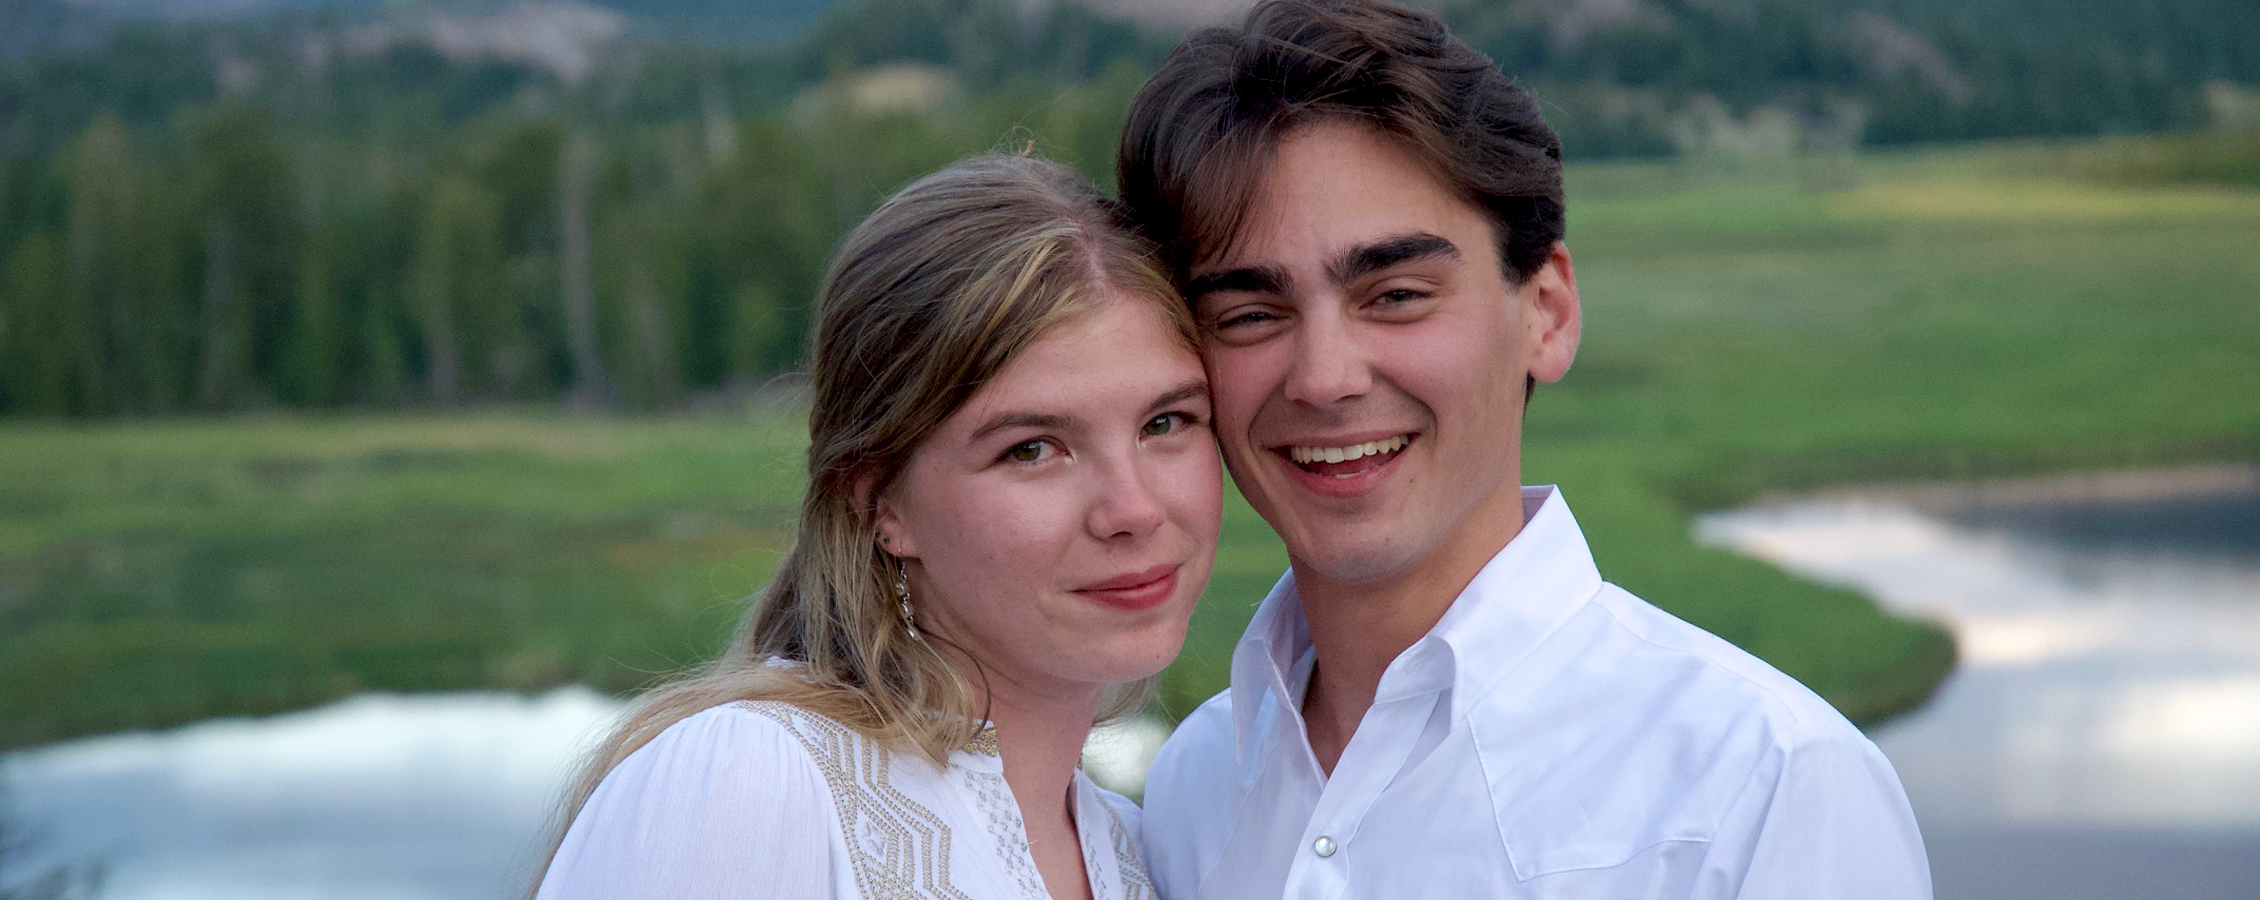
(1137,661)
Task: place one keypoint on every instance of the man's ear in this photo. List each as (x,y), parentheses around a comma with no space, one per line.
(886,523)
(1551,316)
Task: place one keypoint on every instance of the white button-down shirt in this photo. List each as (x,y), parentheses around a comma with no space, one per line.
(1553,736)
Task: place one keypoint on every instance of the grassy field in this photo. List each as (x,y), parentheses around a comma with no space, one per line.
(1950,314)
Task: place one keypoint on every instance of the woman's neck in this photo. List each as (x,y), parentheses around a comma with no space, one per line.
(1041,740)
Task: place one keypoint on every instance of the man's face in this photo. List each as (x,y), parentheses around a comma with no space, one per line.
(1367,356)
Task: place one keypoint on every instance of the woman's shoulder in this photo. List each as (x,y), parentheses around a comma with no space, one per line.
(727,754)
(775,719)
(751,744)
(1117,807)
(742,728)
(1113,846)
(719,800)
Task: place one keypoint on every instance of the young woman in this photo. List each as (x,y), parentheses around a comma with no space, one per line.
(1012,505)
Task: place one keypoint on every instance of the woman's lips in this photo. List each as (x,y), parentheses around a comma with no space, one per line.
(1136,591)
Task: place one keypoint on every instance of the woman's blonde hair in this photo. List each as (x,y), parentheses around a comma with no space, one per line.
(924,302)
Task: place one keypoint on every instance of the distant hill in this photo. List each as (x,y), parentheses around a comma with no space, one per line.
(29,25)
(766,22)
(1619,77)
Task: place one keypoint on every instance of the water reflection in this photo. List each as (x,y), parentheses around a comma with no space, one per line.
(374,797)
(2105,719)
(2101,738)
(431,797)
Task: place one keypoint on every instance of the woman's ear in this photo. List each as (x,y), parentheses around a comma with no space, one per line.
(886,522)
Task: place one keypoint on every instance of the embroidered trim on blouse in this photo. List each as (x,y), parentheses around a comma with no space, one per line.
(1129,858)
(898,848)
(1007,833)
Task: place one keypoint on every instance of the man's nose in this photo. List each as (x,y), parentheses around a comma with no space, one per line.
(1330,362)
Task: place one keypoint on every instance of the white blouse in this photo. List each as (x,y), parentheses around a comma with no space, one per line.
(763,799)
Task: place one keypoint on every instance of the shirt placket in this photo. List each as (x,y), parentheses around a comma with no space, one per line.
(1385,737)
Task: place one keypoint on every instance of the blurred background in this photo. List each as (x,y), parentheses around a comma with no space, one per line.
(388,387)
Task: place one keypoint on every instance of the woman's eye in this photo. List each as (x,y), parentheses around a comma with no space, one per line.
(1169,423)
(1027,451)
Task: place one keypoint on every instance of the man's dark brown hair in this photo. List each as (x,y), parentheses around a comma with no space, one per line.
(1202,132)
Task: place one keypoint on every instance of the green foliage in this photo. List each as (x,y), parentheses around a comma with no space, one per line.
(158,573)
(456,280)
(246,198)
(1938,315)
(395,228)
(2229,158)
(347,224)
(292,212)
(48,364)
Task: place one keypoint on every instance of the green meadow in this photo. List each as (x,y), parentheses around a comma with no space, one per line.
(1941,314)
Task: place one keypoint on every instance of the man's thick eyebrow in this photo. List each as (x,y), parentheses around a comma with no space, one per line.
(1040,421)
(1187,391)
(1362,261)
(1251,279)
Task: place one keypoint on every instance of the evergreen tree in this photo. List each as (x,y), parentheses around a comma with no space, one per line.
(248,204)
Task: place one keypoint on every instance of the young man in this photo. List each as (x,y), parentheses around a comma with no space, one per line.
(1442,698)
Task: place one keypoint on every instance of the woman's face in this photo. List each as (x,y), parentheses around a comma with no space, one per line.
(1060,525)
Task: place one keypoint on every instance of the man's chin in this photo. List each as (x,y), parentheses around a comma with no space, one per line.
(1351,558)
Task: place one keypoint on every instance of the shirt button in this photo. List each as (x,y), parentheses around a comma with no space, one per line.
(1324,846)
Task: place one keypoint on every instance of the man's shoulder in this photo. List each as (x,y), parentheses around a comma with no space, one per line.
(1695,673)
(1201,750)
(1630,728)
(1192,794)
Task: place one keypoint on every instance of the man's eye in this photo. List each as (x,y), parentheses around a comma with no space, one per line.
(1163,424)
(1252,317)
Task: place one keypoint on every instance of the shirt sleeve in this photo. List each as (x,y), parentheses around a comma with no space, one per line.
(724,804)
(1833,822)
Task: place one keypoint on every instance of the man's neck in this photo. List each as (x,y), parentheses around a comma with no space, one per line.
(1359,628)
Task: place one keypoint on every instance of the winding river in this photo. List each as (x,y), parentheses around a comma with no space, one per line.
(2101,738)
(2101,735)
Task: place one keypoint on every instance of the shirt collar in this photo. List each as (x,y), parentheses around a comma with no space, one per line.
(1265,659)
(1527,590)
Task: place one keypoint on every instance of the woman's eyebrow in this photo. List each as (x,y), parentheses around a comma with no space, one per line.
(1040,421)
(1056,422)
(1187,391)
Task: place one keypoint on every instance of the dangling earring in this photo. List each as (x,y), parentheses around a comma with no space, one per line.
(902,602)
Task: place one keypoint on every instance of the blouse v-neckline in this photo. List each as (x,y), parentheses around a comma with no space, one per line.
(902,845)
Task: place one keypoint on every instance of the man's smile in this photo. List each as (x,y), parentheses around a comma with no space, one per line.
(1303,455)
(1345,460)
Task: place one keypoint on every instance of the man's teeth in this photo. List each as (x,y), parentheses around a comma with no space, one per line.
(1345,454)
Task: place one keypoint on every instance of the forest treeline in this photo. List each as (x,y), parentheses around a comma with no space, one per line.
(542,201)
